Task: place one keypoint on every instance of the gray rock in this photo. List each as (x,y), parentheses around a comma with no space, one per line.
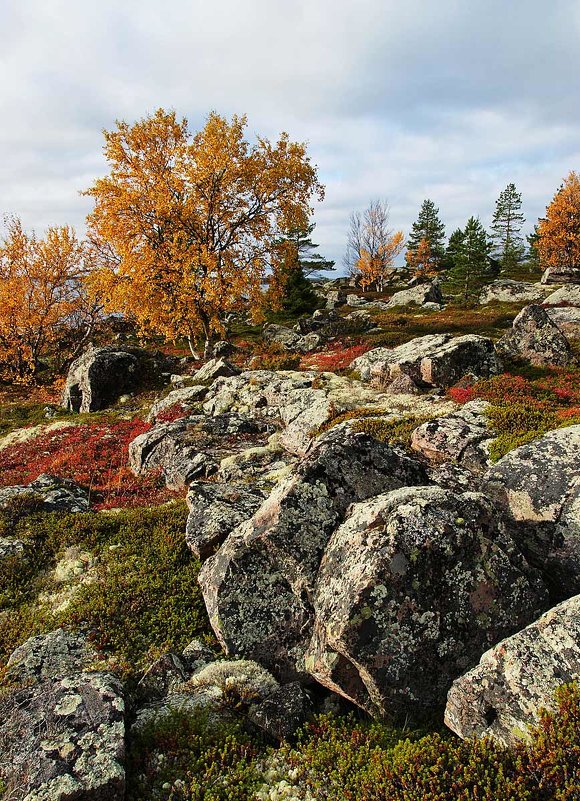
(504,290)
(258,586)
(435,360)
(536,339)
(566,318)
(10,549)
(417,295)
(334,298)
(413,587)
(283,711)
(214,511)
(462,438)
(569,295)
(538,486)
(52,492)
(101,375)
(281,335)
(62,729)
(213,369)
(565,274)
(185,398)
(168,672)
(503,695)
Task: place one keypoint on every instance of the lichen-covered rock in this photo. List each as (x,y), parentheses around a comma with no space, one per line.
(413,587)
(185,398)
(11,549)
(258,587)
(62,728)
(53,493)
(568,295)
(566,318)
(214,511)
(101,375)
(417,295)
(516,678)
(536,339)
(564,274)
(214,368)
(283,711)
(281,335)
(538,485)
(435,360)
(462,438)
(505,290)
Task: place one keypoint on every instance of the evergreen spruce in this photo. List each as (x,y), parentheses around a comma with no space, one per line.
(453,248)
(471,265)
(309,261)
(428,227)
(506,226)
(298,295)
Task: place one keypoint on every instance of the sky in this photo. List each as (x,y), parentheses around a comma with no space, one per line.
(398,99)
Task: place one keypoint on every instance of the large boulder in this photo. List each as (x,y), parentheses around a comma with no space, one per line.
(435,360)
(62,726)
(101,375)
(568,295)
(462,438)
(214,368)
(259,585)
(516,678)
(413,587)
(567,319)
(564,274)
(417,295)
(536,339)
(538,485)
(54,494)
(505,290)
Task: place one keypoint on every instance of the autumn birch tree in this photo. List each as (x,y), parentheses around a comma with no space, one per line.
(372,245)
(187,225)
(558,233)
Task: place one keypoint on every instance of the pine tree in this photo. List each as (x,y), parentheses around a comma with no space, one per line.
(309,261)
(453,248)
(470,270)
(428,227)
(506,226)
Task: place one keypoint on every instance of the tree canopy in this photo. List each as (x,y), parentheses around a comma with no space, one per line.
(470,266)
(558,232)
(372,245)
(426,242)
(186,225)
(506,226)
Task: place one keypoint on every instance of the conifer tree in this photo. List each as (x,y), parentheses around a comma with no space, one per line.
(309,261)
(453,248)
(470,270)
(506,226)
(427,228)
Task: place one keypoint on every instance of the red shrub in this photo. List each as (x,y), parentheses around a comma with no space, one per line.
(173,413)
(95,456)
(337,359)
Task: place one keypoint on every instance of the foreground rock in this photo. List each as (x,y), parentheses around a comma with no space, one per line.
(514,680)
(413,586)
(538,485)
(461,438)
(568,295)
(259,586)
(536,339)
(435,360)
(180,400)
(62,730)
(507,291)
(566,318)
(53,494)
(418,295)
(101,375)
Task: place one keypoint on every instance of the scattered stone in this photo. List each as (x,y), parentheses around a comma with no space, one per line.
(569,295)
(567,319)
(10,549)
(565,274)
(413,586)
(435,360)
(166,674)
(536,339)
(516,678)
(504,290)
(214,511)
(283,712)
(462,438)
(185,398)
(418,295)
(53,494)
(213,369)
(101,375)
(258,586)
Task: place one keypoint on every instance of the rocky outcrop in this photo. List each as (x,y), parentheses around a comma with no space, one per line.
(101,375)
(565,274)
(283,711)
(516,678)
(214,511)
(568,295)
(53,494)
(184,399)
(461,438)
(214,368)
(259,585)
(538,485)
(536,339)
(507,291)
(567,319)
(62,728)
(413,586)
(435,360)
(417,295)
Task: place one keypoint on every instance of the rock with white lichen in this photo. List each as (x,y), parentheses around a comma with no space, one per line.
(516,678)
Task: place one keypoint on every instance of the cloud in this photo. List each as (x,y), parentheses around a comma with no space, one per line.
(450,100)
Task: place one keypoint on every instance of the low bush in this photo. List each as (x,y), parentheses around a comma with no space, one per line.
(395,432)
(337,358)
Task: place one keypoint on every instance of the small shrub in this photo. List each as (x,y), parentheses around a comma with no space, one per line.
(395,432)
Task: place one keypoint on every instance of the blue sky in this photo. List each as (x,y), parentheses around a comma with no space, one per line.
(398,99)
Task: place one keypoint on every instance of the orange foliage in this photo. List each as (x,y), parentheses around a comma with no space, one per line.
(375,267)
(187,224)
(559,231)
(421,261)
(42,297)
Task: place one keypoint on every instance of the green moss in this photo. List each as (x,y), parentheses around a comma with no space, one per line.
(519,423)
(395,432)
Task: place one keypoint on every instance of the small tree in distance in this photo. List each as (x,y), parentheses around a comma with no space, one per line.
(428,235)
(372,246)
(558,232)
(471,269)
(506,226)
